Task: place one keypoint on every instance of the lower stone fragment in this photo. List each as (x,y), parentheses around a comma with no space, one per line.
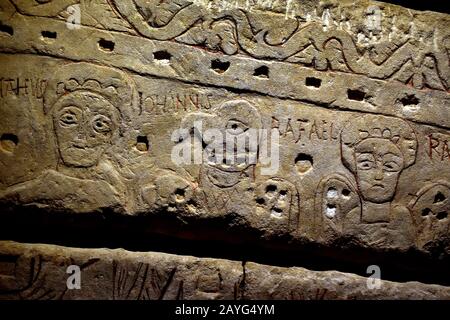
(36,271)
(42,272)
(267,282)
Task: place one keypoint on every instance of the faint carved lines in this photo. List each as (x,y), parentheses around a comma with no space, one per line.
(181,17)
(141,281)
(277,204)
(431,209)
(336,198)
(18,273)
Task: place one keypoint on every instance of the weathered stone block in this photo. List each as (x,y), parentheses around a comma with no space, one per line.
(309,126)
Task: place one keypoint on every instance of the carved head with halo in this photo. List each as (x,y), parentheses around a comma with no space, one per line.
(376,149)
(87,104)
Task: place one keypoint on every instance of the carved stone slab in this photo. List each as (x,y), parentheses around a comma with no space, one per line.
(109,108)
(43,271)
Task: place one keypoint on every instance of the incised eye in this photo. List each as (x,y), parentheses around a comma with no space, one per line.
(68,119)
(365,165)
(101,124)
(391,166)
(236,127)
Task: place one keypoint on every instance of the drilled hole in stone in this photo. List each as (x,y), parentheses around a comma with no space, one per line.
(283,192)
(409,100)
(303,162)
(49,34)
(262,72)
(439,197)
(313,82)
(260,201)
(8,142)
(441,215)
(219,66)
(356,95)
(106,45)
(162,56)
(271,188)
(6,29)
(277,212)
(426,212)
(345,192)
(142,143)
(180,194)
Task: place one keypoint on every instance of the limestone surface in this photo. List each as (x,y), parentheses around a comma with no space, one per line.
(43,272)
(303,125)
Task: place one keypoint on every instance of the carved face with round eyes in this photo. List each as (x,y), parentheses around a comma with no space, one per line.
(275,197)
(238,122)
(378,166)
(84,125)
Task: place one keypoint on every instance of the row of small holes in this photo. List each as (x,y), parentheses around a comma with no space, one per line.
(221,66)
(161,55)
(263,72)
(104,44)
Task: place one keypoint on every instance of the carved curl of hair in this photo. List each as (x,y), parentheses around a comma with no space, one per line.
(112,84)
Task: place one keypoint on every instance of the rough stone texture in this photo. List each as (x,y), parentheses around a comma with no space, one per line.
(39,272)
(359,95)
(266,282)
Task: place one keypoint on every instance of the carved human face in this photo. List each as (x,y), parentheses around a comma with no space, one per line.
(431,211)
(238,123)
(378,166)
(84,125)
(275,197)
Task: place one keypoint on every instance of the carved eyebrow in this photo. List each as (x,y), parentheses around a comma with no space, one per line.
(359,154)
(70,106)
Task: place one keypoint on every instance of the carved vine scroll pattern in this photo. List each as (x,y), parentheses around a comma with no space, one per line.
(310,44)
(305,41)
